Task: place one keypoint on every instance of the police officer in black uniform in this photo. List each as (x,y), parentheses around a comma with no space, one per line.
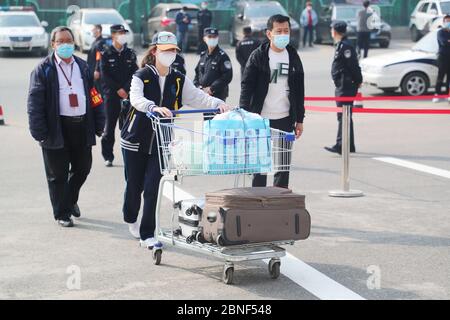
(204,18)
(117,66)
(347,78)
(245,47)
(214,71)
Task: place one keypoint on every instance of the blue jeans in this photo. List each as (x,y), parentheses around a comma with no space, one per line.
(182,37)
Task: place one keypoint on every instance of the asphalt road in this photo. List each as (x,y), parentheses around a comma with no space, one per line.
(393,243)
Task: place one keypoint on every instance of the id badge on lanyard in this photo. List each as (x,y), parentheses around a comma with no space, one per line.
(73,97)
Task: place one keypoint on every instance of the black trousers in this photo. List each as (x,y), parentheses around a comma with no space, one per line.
(363,43)
(444,72)
(308,31)
(67,168)
(112,112)
(281,179)
(346,93)
(142,174)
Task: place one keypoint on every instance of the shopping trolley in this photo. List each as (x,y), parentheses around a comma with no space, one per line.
(184,149)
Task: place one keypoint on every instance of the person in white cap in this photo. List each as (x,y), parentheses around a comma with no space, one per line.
(158,88)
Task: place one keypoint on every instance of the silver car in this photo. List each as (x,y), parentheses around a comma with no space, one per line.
(162,18)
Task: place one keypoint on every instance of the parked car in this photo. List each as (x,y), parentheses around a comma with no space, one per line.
(413,71)
(21,31)
(255,14)
(424,17)
(81,22)
(381,34)
(162,18)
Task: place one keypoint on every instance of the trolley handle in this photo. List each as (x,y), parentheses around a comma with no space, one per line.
(176,112)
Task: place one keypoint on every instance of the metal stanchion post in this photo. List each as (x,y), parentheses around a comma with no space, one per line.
(346,192)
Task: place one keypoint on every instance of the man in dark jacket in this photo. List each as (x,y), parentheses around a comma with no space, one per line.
(245,47)
(183,20)
(273,86)
(347,78)
(443,58)
(117,66)
(204,18)
(95,54)
(64,120)
(214,71)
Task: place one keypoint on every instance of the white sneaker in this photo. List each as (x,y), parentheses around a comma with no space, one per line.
(149,243)
(448,100)
(134,229)
(108,163)
(436,100)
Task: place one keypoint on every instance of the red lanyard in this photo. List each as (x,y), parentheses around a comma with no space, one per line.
(65,76)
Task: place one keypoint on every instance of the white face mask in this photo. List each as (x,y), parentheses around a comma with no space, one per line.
(122,39)
(166,58)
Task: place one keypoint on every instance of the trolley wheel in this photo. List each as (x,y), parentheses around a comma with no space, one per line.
(228,273)
(274,268)
(189,239)
(219,240)
(157,256)
(200,238)
(177,232)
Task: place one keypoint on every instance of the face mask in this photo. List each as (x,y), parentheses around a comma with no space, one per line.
(65,50)
(166,58)
(212,42)
(204,6)
(447,25)
(309,8)
(281,41)
(122,39)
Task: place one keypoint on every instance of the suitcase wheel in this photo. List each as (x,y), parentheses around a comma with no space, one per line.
(157,256)
(228,272)
(199,238)
(220,241)
(189,239)
(274,268)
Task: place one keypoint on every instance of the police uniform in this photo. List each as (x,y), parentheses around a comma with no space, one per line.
(117,68)
(214,70)
(244,49)
(179,64)
(139,141)
(204,18)
(347,77)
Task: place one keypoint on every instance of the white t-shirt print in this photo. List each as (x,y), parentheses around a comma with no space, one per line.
(276,106)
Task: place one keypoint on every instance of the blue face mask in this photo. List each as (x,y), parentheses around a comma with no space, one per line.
(212,42)
(281,41)
(65,50)
(447,25)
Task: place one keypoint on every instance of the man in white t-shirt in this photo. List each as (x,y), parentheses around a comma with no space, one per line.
(273,86)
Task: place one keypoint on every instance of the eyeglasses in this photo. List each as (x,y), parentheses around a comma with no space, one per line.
(64,42)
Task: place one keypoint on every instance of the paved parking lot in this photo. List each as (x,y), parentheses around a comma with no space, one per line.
(394,243)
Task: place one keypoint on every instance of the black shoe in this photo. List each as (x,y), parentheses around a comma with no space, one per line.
(352,150)
(333,149)
(76,211)
(65,223)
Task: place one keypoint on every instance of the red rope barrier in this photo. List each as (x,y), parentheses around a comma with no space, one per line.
(380,110)
(384,98)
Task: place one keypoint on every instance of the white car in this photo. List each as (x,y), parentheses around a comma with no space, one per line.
(21,31)
(424,16)
(413,71)
(82,22)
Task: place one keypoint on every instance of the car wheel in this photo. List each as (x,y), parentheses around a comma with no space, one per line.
(415,84)
(384,44)
(415,34)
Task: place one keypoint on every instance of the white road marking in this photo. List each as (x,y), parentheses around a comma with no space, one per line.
(416,166)
(314,281)
(298,271)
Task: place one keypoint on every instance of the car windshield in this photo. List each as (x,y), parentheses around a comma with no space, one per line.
(445,7)
(19,20)
(346,13)
(263,11)
(173,13)
(428,43)
(102,18)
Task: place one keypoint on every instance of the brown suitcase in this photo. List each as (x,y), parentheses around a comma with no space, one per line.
(254,215)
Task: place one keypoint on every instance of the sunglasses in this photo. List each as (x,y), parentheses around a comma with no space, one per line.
(166,38)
